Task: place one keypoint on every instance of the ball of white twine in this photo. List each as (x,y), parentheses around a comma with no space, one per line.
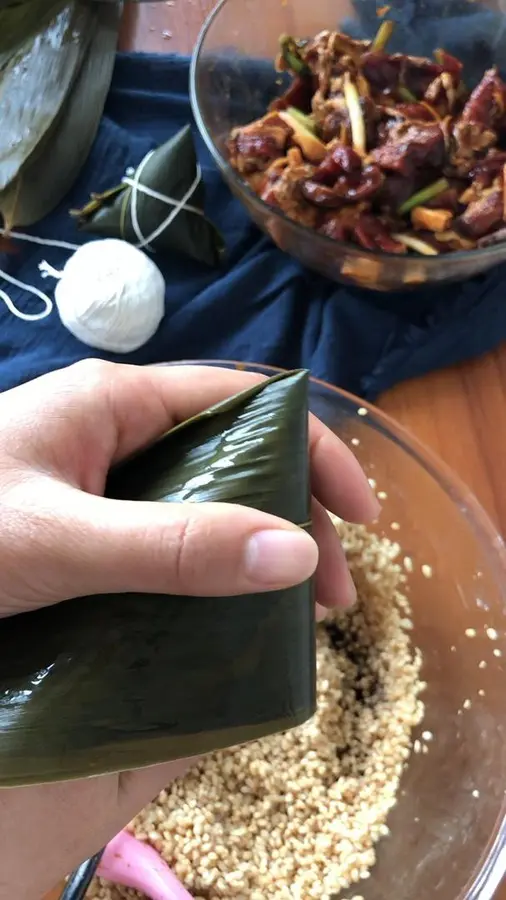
(110,295)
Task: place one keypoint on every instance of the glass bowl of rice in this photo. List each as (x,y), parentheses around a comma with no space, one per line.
(395,790)
(234,79)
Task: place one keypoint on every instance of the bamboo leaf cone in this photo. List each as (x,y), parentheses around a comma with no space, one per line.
(114,682)
(170,171)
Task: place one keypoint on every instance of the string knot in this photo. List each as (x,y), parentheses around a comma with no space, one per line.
(132,179)
(48,271)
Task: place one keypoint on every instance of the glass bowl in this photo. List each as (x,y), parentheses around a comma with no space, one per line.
(448,829)
(233,80)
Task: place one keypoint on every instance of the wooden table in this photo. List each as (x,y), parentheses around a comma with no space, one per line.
(459,412)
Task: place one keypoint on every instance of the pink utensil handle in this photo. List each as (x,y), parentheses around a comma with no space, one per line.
(134,864)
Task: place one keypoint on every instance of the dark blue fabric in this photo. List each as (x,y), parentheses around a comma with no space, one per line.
(261,305)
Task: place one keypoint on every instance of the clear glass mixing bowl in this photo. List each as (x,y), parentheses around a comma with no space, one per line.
(448,830)
(233,78)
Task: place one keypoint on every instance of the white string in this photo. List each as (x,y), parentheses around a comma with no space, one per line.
(150,192)
(48,303)
(32,239)
(178,205)
(27,317)
(48,271)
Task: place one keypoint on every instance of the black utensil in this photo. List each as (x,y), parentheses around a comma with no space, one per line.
(80,880)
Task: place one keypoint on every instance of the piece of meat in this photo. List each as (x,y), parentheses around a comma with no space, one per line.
(283,191)
(254,147)
(395,190)
(340,160)
(486,103)
(476,128)
(330,117)
(382,70)
(418,73)
(414,112)
(335,227)
(410,146)
(355,187)
(390,72)
(387,72)
(299,94)
(485,170)
(371,233)
(483,215)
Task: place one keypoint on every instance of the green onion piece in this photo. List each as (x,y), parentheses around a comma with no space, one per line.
(301,118)
(406,94)
(439,57)
(414,243)
(291,55)
(422,196)
(352,100)
(383,36)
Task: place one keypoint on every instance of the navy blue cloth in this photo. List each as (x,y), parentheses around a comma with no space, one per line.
(261,305)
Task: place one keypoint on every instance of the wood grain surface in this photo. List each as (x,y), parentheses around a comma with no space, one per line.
(459,412)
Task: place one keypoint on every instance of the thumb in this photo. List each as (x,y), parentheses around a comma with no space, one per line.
(204,549)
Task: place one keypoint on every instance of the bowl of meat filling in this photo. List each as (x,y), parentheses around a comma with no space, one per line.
(368,140)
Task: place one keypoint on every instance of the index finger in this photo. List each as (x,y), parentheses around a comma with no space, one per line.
(337,478)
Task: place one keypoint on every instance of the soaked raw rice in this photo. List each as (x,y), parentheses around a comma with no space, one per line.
(297,816)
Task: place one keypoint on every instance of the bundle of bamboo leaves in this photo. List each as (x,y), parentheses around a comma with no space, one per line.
(56,62)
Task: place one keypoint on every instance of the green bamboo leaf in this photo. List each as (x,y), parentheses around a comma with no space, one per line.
(20,22)
(116,682)
(45,180)
(170,171)
(35,85)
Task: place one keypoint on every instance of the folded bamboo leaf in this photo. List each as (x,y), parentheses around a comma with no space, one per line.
(171,170)
(115,682)
(44,181)
(36,82)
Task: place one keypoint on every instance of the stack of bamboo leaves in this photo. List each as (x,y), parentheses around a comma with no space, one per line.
(56,62)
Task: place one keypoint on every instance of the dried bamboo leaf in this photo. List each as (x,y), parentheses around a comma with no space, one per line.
(45,180)
(114,682)
(52,58)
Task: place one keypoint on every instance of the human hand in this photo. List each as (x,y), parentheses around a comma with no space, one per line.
(60,538)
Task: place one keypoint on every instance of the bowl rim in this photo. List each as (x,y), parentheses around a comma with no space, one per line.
(493,253)
(490,868)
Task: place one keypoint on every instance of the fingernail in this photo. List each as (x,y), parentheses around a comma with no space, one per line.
(320,612)
(280,558)
(351,592)
(375,505)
